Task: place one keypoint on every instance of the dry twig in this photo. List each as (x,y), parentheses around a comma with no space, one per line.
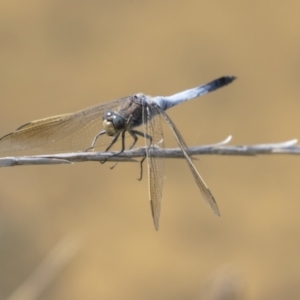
(221,148)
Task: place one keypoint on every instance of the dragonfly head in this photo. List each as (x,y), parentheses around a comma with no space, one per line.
(113,123)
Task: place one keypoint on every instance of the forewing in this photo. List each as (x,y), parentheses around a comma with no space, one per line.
(206,193)
(156,165)
(74,131)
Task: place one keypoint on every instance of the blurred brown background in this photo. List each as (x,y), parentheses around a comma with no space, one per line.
(62,56)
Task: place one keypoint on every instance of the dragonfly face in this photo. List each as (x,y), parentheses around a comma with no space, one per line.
(113,123)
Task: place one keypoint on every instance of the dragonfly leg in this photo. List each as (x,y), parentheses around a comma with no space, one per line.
(141,168)
(134,134)
(111,144)
(117,136)
(122,150)
(95,140)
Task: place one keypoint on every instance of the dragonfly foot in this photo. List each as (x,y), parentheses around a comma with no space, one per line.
(104,160)
(112,167)
(89,149)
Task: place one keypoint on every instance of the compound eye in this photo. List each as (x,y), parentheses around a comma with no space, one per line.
(119,122)
(107,115)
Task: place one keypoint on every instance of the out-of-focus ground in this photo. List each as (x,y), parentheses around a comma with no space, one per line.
(62,56)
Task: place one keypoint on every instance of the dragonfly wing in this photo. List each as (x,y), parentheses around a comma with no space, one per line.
(206,193)
(74,131)
(156,165)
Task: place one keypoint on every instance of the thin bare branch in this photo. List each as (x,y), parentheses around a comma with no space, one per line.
(221,148)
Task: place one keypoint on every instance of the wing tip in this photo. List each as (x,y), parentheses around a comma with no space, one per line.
(217,213)
(155,215)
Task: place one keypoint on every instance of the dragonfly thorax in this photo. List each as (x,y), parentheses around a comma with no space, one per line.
(113,123)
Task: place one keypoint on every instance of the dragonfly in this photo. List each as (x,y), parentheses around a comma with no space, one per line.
(80,131)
